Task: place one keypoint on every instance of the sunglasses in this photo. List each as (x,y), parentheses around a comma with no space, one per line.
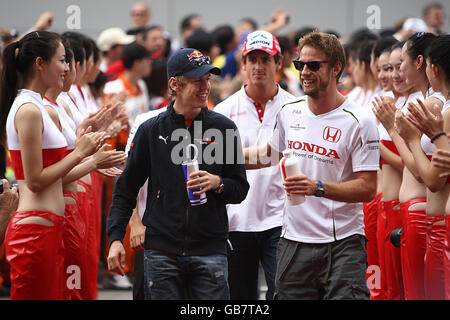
(312,65)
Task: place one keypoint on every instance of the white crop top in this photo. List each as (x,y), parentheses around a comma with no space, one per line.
(54,144)
(67,124)
(77,116)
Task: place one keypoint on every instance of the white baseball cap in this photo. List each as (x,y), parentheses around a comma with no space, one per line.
(113,36)
(261,40)
(415,24)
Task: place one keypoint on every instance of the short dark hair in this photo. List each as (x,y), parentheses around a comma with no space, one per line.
(133,52)
(186,21)
(201,40)
(223,35)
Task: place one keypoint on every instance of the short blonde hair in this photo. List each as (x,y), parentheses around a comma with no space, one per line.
(180,82)
(329,44)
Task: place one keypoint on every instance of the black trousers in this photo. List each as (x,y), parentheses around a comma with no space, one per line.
(249,249)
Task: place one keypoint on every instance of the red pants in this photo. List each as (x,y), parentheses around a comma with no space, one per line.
(74,237)
(370,229)
(434,259)
(97,190)
(86,207)
(382,237)
(36,255)
(392,254)
(414,239)
(447,258)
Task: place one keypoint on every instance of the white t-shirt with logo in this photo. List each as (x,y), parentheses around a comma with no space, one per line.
(330,147)
(262,209)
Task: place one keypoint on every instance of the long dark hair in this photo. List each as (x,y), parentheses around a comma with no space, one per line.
(76,44)
(418,43)
(438,53)
(18,59)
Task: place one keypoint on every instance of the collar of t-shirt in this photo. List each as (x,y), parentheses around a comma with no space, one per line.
(258,107)
(81,91)
(259,110)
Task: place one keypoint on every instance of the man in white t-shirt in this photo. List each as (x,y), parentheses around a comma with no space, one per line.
(321,253)
(255,224)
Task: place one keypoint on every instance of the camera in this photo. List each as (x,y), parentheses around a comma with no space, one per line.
(395,237)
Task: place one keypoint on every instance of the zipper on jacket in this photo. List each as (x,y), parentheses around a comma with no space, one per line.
(187,208)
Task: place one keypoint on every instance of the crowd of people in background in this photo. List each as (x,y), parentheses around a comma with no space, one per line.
(88,97)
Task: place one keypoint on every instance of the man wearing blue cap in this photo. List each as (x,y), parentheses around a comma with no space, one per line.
(185,245)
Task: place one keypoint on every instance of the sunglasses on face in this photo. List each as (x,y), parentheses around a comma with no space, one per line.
(312,65)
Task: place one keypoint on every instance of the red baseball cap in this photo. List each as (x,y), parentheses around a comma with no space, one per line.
(261,40)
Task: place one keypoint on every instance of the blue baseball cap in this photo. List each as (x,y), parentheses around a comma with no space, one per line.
(190,63)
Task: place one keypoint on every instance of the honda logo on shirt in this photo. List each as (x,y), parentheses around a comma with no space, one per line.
(332,134)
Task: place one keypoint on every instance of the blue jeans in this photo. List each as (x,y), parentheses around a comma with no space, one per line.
(249,250)
(169,277)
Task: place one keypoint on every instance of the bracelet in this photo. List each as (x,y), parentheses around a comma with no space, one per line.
(437,136)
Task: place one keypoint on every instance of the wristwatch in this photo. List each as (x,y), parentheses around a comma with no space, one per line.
(219,189)
(320,191)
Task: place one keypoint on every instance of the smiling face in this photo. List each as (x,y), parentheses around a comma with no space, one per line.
(70,76)
(54,71)
(384,71)
(397,76)
(260,68)
(193,92)
(315,83)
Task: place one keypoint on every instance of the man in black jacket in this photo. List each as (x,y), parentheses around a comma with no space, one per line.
(185,245)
